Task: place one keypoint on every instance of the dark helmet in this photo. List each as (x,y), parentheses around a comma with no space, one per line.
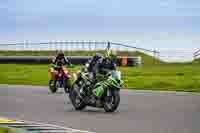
(60,53)
(97,56)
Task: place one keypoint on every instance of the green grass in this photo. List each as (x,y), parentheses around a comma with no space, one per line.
(147,59)
(25,74)
(178,77)
(5,130)
(173,77)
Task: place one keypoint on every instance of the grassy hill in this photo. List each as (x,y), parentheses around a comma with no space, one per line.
(147,59)
(5,130)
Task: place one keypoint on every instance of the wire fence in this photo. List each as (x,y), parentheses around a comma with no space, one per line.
(78,46)
(62,45)
(72,46)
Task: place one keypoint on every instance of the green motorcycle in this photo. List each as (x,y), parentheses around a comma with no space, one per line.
(106,91)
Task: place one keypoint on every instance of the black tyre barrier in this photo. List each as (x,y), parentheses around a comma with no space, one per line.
(25,60)
(132,61)
(38,59)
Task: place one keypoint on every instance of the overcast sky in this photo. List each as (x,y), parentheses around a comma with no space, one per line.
(151,23)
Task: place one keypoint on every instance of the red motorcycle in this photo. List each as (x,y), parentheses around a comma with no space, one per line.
(61,79)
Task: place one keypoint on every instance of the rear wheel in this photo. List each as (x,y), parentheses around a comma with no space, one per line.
(76,100)
(111,101)
(52,86)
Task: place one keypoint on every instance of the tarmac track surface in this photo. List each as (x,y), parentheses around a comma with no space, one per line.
(138,112)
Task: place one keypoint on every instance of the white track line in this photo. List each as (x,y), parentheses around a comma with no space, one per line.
(72,130)
(51,125)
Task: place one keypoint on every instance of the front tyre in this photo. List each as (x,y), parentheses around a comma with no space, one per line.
(112,101)
(52,86)
(76,100)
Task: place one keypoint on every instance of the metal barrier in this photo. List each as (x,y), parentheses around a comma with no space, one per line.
(70,46)
(64,45)
(196,55)
(76,46)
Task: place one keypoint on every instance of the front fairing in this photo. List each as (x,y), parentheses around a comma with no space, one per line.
(115,83)
(115,79)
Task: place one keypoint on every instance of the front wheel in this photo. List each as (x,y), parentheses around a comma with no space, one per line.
(76,100)
(111,101)
(52,86)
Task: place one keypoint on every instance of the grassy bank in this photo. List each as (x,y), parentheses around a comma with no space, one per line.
(178,77)
(5,130)
(175,77)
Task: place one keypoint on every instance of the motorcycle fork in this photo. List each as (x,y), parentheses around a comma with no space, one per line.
(108,93)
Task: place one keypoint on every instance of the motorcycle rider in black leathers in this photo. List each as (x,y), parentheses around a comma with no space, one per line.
(60,59)
(57,64)
(99,66)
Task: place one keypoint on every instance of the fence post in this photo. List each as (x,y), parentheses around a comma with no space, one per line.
(49,45)
(66,43)
(77,46)
(108,46)
(15,46)
(89,45)
(82,45)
